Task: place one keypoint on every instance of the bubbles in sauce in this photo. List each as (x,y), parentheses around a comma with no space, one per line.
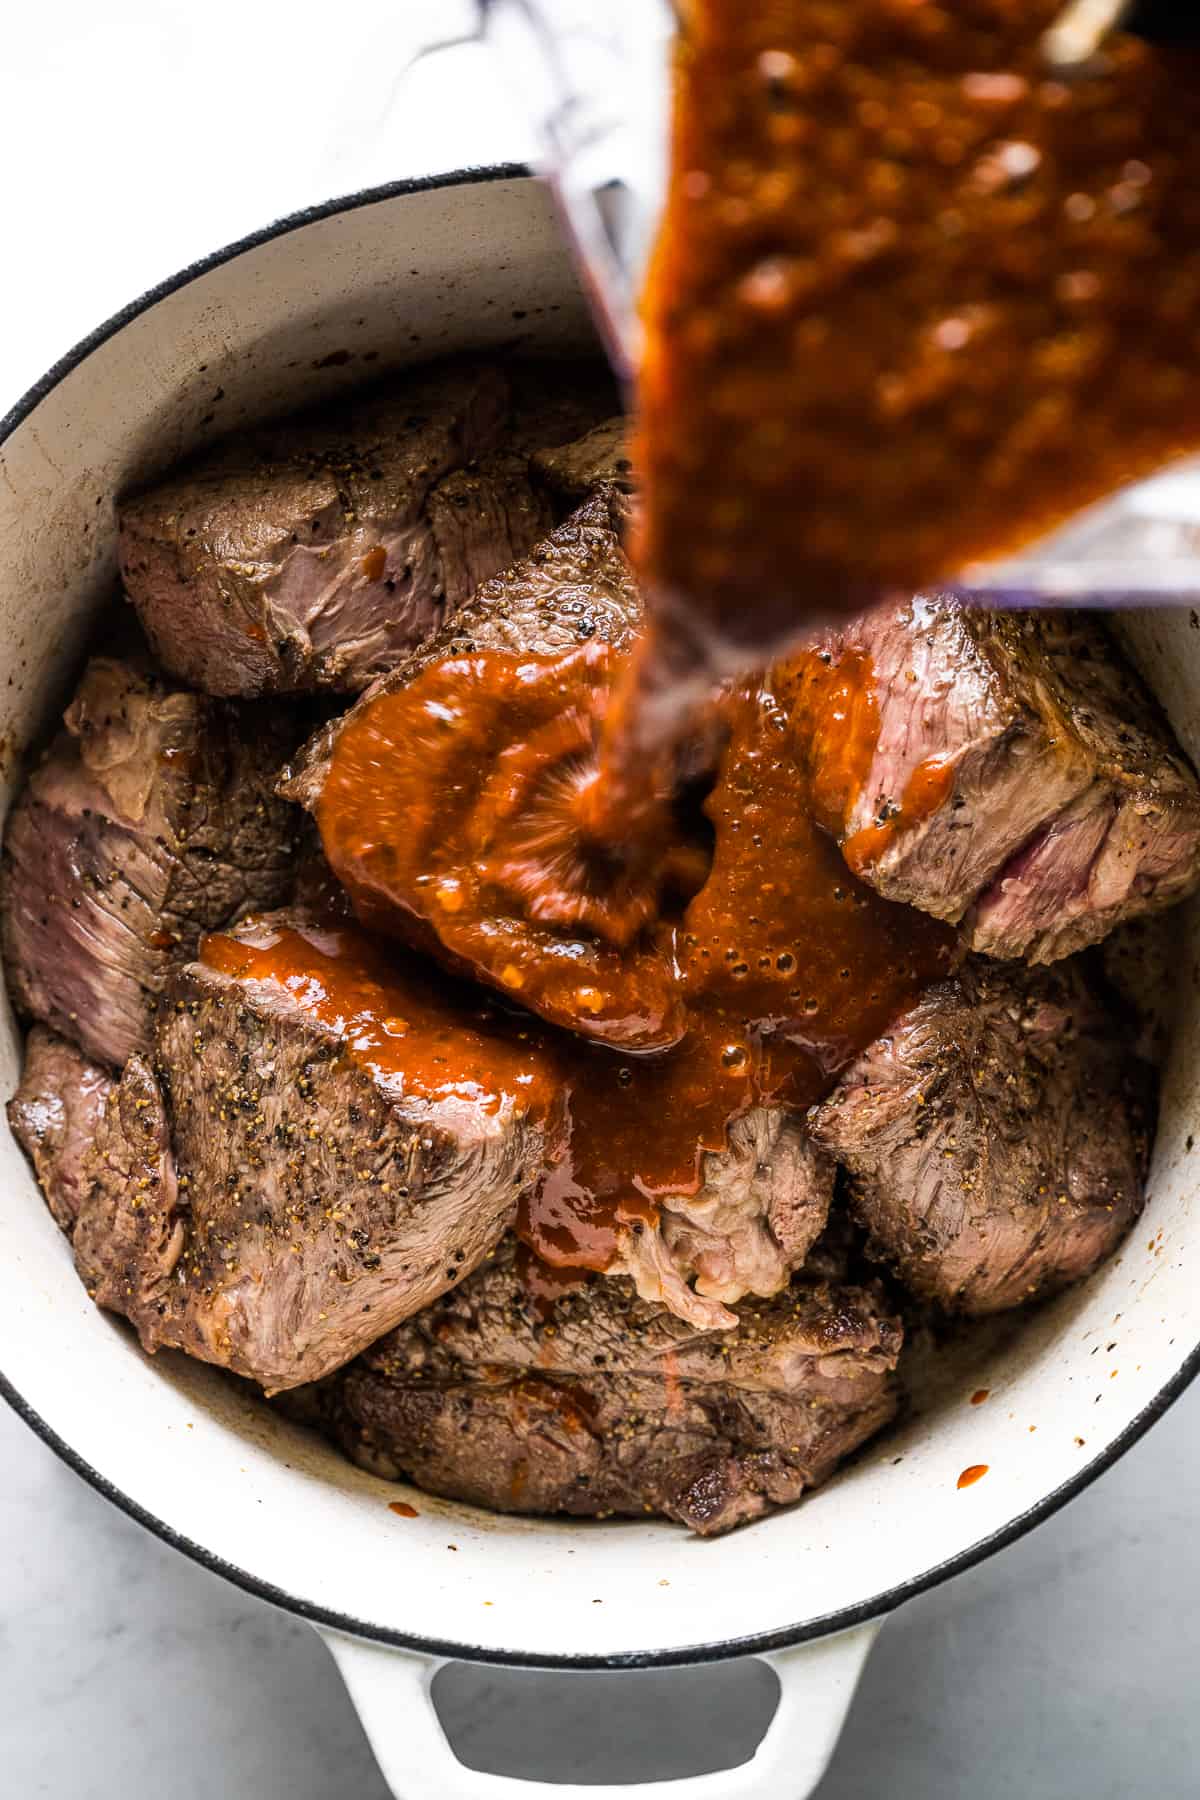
(775,969)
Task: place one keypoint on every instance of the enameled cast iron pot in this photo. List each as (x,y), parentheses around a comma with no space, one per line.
(289,317)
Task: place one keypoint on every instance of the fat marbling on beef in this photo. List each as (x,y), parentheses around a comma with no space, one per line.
(762,1203)
(597,1403)
(574,586)
(150,819)
(316,552)
(1013,775)
(995,1137)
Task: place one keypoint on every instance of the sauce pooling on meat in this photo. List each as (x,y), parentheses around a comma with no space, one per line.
(913,303)
(451,812)
(398,1021)
(772,963)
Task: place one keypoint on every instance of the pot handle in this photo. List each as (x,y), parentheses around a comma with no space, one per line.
(391,1690)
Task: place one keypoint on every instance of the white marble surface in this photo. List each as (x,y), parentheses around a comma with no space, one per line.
(135,138)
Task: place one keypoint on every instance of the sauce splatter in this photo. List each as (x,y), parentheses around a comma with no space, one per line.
(970,1476)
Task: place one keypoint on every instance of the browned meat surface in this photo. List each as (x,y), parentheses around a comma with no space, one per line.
(573,586)
(316,552)
(763,1203)
(1010,771)
(303,555)
(598,460)
(271,1202)
(149,820)
(996,1137)
(133,1225)
(599,1403)
(483,518)
(54,1114)
(1127,845)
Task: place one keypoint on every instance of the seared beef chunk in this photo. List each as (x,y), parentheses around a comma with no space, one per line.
(483,518)
(763,1204)
(598,1403)
(316,1194)
(132,1226)
(149,820)
(598,461)
(996,1137)
(1128,844)
(54,1115)
(1010,768)
(576,585)
(306,554)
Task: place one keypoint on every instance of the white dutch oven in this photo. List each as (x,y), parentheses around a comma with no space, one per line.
(298,312)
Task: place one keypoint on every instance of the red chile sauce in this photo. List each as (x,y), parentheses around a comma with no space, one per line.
(411,1030)
(912,302)
(721,973)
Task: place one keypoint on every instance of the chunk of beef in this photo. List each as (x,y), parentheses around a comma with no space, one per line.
(54,1115)
(1127,845)
(307,554)
(762,1205)
(149,820)
(600,460)
(483,518)
(346,1146)
(599,1403)
(576,585)
(996,1137)
(132,1226)
(1009,771)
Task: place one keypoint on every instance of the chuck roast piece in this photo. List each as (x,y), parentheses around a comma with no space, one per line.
(149,820)
(574,586)
(326,1145)
(1005,770)
(600,460)
(315,552)
(763,1203)
(596,1403)
(54,1115)
(996,1137)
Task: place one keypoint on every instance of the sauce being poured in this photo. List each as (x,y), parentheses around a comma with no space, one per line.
(912,304)
(454,812)
(775,969)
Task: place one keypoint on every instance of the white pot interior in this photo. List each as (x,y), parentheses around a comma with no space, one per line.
(402,278)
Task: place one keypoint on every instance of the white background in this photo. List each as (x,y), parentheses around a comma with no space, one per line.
(134,138)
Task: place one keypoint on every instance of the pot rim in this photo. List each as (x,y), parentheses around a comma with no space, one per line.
(753,1644)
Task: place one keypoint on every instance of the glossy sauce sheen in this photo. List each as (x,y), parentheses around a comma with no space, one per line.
(401,1024)
(775,970)
(912,303)
(835,695)
(450,814)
